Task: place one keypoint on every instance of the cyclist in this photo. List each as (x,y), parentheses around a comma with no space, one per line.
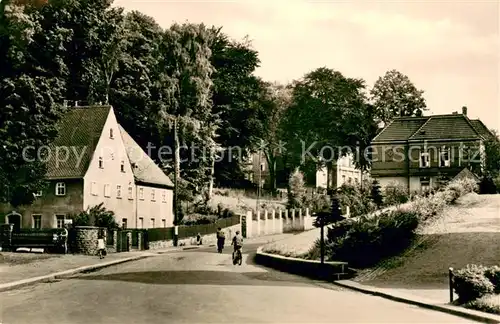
(237,242)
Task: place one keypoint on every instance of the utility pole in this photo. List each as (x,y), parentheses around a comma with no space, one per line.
(260,181)
(176,171)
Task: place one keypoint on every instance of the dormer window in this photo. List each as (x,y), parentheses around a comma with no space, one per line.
(444,157)
(425,160)
(152,195)
(101,163)
(111,133)
(122,166)
(60,189)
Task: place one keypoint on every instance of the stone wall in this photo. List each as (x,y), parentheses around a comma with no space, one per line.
(207,240)
(86,240)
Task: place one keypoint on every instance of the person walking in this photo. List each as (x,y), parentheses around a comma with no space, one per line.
(221,237)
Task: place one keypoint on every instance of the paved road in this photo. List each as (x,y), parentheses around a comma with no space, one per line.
(200,286)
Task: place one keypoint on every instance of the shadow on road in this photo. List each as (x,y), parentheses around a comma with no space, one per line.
(200,278)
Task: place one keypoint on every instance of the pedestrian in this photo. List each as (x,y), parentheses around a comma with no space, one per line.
(221,237)
(199,239)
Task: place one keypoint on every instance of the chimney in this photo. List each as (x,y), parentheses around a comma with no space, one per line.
(455,113)
(464,110)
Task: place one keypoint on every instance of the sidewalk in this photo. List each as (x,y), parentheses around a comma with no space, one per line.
(48,266)
(436,299)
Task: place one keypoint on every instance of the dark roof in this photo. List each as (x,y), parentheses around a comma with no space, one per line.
(446,127)
(144,168)
(400,129)
(466,173)
(453,126)
(481,128)
(79,131)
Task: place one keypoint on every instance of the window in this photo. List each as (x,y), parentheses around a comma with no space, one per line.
(444,157)
(263,167)
(118,191)
(163,223)
(122,166)
(93,189)
(111,133)
(37,221)
(141,223)
(164,196)
(38,193)
(130,192)
(350,180)
(152,223)
(107,190)
(424,160)
(60,189)
(152,195)
(124,223)
(60,221)
(101,163)
(343,179)
(466,154)
(141,193)
(425,183)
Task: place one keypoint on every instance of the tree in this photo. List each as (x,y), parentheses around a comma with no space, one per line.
(96,215)
(376,194)
(274,104)
(235,96)
(492,155)
(323,122)
(487,185)
(333,215)
(296,190)
(394,95)
(31,82)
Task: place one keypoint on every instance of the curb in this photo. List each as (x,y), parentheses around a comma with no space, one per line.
(62,274)
(308,268)
(453,310)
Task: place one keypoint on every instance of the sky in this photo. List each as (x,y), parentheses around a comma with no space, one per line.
(448,49)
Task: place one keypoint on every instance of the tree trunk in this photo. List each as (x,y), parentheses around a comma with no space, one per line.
(271,162)
(211,183)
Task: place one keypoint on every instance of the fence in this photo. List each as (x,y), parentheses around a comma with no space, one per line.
(275,222)
(53,239)
(167,233)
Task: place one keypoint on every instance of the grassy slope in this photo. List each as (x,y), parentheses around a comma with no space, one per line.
(468,232)
(241,203)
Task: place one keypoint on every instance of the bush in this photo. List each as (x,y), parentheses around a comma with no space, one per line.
(493,275)
(366,242)
(198,219)
(318,203)
(296,190)
(471,283)
(376,194)
(487,303)
(98,216)
(396,194)
(357,198)
(487,186)
(462,187)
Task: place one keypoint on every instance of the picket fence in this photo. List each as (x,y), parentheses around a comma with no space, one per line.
(267,222)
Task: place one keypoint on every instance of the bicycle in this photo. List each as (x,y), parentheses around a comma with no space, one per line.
(237,257)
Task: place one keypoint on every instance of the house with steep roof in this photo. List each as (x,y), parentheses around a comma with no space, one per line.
(421,153)
(94,160)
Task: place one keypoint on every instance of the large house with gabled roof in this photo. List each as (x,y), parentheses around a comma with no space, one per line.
(421,153)
(94,160)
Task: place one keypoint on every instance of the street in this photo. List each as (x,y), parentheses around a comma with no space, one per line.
(201,286)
